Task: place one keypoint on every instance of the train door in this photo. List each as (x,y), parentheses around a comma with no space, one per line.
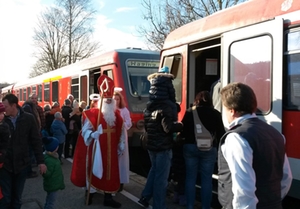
(204,66)
(253,55)
(93,77)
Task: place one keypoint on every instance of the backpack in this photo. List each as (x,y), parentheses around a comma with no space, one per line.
(204,139)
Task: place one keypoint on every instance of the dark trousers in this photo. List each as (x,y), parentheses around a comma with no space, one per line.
(60,150)
(12,186)
(67,145)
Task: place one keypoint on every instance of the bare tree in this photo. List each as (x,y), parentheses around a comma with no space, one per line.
(166,16)
(63,35)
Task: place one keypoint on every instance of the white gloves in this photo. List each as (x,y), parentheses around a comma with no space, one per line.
(97,133)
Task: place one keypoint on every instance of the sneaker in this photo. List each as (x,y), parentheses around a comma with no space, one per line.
(143,201)
(111,203)
(175,198)
(182,200)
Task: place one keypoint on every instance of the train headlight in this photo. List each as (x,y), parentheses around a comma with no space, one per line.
(140,125)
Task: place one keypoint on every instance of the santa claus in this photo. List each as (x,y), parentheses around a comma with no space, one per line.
(100,142)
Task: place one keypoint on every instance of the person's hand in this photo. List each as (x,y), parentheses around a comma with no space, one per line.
(42,168)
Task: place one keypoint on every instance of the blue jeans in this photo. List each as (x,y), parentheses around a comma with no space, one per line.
(202,162)
(12,188)
(50,200)
(157,180)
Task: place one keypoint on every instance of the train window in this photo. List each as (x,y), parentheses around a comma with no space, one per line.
(55,91)
(21,95)
(28,91)
(175,67)
(109,73)
(250,63)
(291,92)
(24,94)
(138,72)
(75,88)
(47,92)
(39,94)
(33,89)
(83,88)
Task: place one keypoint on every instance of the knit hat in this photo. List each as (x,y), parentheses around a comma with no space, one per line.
(50,143)
(164,69)
(2,108)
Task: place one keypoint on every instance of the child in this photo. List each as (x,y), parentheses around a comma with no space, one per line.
(59,131)
(53,178)
(4,138)
(161,88)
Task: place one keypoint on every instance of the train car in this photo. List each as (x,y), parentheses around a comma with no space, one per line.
(128,68)
(256,42)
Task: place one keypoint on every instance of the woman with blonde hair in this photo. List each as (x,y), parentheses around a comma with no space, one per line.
(123,159)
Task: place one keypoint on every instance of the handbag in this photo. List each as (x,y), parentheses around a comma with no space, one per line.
(204,139)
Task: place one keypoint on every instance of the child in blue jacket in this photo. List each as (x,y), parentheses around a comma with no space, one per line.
(59,131)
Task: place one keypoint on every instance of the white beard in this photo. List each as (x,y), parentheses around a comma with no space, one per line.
(108,111)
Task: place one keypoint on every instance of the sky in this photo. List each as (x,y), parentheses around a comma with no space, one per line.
(115,27)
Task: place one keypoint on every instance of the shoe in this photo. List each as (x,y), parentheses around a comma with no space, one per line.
(143,201)
(32,174)
(121,188)
(175,198)
(182,200)
(111,203)
(90,198)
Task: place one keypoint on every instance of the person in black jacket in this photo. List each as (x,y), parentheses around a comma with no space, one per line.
(160,125)
(24,133)
(197,161)
(65,111)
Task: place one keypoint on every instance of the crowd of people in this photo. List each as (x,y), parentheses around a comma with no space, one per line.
(253,168)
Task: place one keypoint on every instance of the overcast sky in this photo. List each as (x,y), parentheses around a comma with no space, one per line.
(115,27)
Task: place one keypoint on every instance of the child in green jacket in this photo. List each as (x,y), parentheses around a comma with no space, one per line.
(53,178)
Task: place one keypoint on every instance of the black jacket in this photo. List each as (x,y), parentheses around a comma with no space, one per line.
(65,111)
(4,140)
(25,134)
(161,87)
(210,118)
(160,125)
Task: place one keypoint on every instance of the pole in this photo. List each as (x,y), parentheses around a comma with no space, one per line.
(93,153)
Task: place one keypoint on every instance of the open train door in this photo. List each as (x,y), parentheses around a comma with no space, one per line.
(253,55)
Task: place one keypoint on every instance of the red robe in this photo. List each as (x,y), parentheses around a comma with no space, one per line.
(110,181)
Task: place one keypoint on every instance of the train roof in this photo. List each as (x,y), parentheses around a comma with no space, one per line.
(85,64)
(243,14)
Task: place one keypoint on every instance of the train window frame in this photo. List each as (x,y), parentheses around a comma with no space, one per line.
(24,94)
(291,72)
(21,95)
(137,72)
(253,69)
(75,88)
(174,63)
(54,91)
(39,92)
(84,88)
(47,92)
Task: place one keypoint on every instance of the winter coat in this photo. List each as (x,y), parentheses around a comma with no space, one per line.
(161,87)
(59,130)
(24,135)
(4,139)
(160,125)
(53,178)
(65,111)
